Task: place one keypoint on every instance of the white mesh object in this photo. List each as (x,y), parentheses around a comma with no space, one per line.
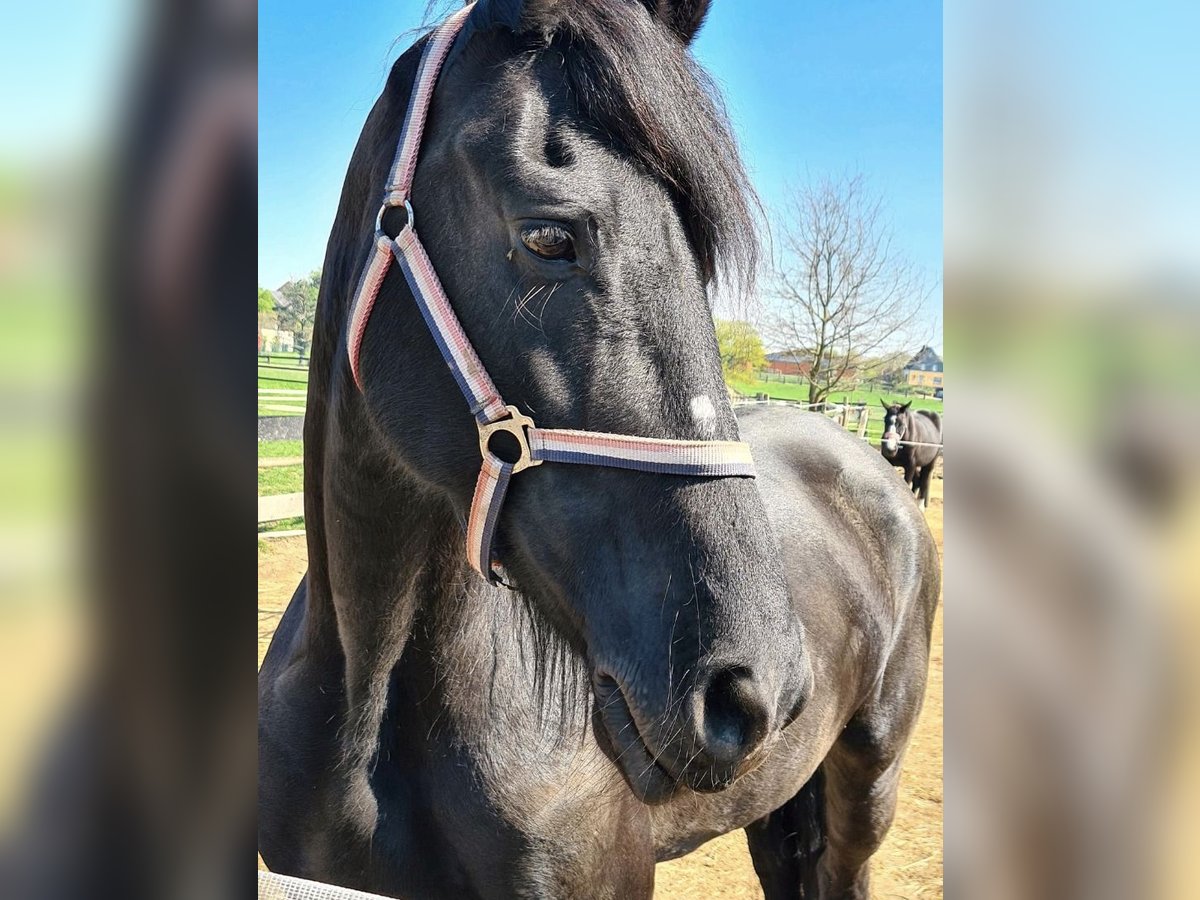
(284,887)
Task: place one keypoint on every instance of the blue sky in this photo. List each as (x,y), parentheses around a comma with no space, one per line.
(62,76)
(812,88)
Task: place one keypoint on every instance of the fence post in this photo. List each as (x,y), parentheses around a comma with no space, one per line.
(863,415)
(845,409)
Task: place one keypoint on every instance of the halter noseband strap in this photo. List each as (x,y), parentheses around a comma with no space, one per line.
(537,445)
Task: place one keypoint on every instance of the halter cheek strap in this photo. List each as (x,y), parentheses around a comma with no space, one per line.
(713,459)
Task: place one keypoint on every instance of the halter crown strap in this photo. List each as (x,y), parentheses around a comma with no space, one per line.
(713,459)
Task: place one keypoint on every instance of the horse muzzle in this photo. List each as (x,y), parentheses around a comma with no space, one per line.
(722,728)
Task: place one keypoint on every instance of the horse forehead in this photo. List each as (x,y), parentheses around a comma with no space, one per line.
(517,103)
(504,125)
(473,113)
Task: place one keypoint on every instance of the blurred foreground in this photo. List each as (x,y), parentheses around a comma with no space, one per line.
(1073,329)
(127,247)
(127,257)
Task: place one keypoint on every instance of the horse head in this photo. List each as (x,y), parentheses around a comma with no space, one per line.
(895,425)
(578,191)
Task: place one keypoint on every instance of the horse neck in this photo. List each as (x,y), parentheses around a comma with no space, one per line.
(379,540)
(921,430)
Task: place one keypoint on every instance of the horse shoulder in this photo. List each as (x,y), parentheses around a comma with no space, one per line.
(859,560)
(856,545)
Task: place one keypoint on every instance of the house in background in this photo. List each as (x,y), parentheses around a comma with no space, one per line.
(275,340)
(789,362)
(924,369)
(272,338)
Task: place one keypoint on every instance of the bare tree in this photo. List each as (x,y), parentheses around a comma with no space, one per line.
(297,308)
(840,293)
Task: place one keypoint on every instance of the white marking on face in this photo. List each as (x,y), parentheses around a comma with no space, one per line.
(891,440)
(704,414)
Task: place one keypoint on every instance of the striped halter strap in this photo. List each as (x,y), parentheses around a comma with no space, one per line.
(537,445)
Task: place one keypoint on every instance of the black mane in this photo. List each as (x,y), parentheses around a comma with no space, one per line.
(638,85)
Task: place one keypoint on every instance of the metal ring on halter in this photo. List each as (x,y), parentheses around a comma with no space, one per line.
(412,217)
(515,424)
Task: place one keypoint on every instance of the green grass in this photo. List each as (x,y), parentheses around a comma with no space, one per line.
(276,449)
(272,380)
(271,407)
(293,524)
(799,392)
(280,480)
(276,379)
(283,371)
(287,384)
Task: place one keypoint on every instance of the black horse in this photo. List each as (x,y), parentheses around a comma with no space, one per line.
(922,430)
(684,656)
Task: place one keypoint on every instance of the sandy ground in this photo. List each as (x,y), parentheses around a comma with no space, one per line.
(908,865)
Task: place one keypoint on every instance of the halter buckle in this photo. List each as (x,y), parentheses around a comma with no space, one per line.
(516,425)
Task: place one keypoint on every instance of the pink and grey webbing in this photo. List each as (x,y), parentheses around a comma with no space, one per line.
(537,445)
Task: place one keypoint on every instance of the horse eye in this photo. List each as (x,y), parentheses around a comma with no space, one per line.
(553,242)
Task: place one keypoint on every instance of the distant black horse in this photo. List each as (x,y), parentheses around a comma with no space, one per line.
(924,429)
(685,656)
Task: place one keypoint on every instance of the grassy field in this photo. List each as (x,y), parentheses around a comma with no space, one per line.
(272,377)
(281,406)
(280,479)
(287,358)
(283,367)
(294,524)
(799,392)
(269,378)
(296,378)
(276,449)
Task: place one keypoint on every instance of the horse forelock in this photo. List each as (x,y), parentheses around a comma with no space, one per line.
(640,90)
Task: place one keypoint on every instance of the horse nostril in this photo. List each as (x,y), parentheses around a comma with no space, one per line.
(735,716)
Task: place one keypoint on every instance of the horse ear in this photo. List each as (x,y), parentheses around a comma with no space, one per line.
(883,403)
(684,17)
(906,406)
(503,13)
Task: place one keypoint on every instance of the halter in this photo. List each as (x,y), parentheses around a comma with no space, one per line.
(716,459)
